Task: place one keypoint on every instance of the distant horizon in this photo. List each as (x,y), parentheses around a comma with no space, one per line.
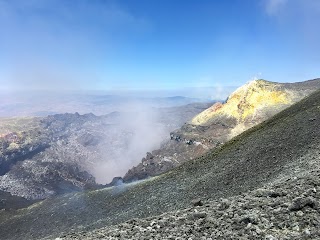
(217,92)
(201,93)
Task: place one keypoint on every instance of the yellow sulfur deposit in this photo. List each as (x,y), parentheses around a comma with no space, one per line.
(246,101)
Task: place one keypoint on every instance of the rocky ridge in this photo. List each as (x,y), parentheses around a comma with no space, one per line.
(248,106)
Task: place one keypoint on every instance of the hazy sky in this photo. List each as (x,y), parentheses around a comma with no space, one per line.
(158,44)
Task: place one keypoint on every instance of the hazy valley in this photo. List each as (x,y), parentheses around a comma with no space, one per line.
(45,156)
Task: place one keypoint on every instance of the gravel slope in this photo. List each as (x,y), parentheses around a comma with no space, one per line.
(288,209)
(285,146)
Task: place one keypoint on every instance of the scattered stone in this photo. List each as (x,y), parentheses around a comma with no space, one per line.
(197,215)
(270,237)
(224,204)
(197,202)
(307,232)
(299,203)
(253,219)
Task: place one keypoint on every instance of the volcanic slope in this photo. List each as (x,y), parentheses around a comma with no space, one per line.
(283,147)
(249,105)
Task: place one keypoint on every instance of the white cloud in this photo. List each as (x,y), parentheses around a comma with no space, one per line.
(273,7)
(296,22)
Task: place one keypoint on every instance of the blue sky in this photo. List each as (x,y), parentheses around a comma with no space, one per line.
(156,44)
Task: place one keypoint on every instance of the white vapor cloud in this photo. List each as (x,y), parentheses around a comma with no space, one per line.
(273,7)
(297,21)
(144,135)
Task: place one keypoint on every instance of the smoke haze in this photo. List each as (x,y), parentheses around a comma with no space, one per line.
(142,131)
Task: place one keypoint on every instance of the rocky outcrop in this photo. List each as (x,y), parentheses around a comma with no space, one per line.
(248,106)
(38,180)
(21,144)
(36,161)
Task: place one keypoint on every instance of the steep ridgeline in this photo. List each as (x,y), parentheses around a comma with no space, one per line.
(45,156)
(249,105)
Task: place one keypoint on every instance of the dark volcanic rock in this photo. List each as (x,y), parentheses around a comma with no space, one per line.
(301,202)
(42,159)
(197,202)
(18,146)
(88,139)
(11,202)
(116,181)
(34,180)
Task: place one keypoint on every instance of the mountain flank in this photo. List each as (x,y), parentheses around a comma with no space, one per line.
(246,107)
(287,209)
(280,157)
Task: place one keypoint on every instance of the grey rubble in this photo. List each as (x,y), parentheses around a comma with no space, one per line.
(288,209)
